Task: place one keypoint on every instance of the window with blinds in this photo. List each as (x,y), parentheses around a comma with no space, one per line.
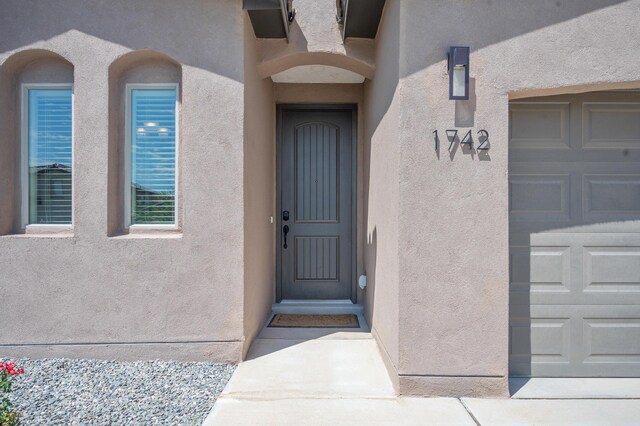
(49,130)
(152,156)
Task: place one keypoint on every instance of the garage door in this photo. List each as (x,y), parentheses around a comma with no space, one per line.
(574,178)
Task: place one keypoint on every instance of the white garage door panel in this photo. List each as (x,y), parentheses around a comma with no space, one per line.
(582,271)
(612,339)
(539,335)
(613,271)
(574,340)
(574,180)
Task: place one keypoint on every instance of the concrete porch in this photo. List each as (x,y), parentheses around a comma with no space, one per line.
(338,377)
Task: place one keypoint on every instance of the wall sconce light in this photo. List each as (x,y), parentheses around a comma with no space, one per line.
(458,67)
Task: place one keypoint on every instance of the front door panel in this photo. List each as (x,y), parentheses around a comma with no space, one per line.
(316,195)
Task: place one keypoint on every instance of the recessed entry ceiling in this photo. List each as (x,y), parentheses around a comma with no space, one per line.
(317,74)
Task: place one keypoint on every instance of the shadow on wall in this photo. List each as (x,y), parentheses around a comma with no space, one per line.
(279,55)
(371,250)
(515,18)
(465,118)
(382,127)
(380,136)
(161,25)
(466,110)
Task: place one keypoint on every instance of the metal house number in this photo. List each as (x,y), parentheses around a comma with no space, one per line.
(452,134)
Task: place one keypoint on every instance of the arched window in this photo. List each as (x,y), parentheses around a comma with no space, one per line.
(37,138)
(144,142)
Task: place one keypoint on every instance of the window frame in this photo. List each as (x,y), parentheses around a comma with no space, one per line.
(24,156)
(129,87)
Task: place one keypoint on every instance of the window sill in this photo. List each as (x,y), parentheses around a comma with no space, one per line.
(46,231)
(150,231)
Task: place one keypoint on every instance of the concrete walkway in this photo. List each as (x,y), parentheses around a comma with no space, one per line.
(338,378)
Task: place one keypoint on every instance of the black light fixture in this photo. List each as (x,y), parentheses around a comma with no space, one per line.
(458,66)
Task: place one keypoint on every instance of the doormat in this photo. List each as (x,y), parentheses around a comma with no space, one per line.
(314,321)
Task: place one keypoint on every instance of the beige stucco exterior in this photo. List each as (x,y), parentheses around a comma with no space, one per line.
(432,227)
(453,237)
(259,195)
(93,291)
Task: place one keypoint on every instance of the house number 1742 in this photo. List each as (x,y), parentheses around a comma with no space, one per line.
(467,139)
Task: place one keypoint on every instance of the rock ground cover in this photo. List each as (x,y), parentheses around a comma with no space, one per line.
(94,392)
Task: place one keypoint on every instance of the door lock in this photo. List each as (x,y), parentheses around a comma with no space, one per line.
(285,215)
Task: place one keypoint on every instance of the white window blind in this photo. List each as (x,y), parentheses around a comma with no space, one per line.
(49,126)
(153,156)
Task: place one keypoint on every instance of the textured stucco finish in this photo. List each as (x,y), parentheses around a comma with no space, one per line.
(458,386)
(437,225)
(453,212)
(381,191)
(432,227)
(87,287)
(259,172)
(192,351)
(315,38)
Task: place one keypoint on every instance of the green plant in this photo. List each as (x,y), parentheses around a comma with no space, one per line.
(8,371)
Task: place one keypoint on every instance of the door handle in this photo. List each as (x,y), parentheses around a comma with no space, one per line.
(285,231)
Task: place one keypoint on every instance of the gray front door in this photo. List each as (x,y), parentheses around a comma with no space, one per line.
(316,197)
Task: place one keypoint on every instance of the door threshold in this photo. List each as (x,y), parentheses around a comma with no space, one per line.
(318,307)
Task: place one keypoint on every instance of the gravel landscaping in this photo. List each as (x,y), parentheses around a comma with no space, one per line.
(92,392)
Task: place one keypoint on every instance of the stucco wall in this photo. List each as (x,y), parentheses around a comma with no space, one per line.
(315,38)
(259,194)
(84,293)
(381,193)
(435,224)
(453,208)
